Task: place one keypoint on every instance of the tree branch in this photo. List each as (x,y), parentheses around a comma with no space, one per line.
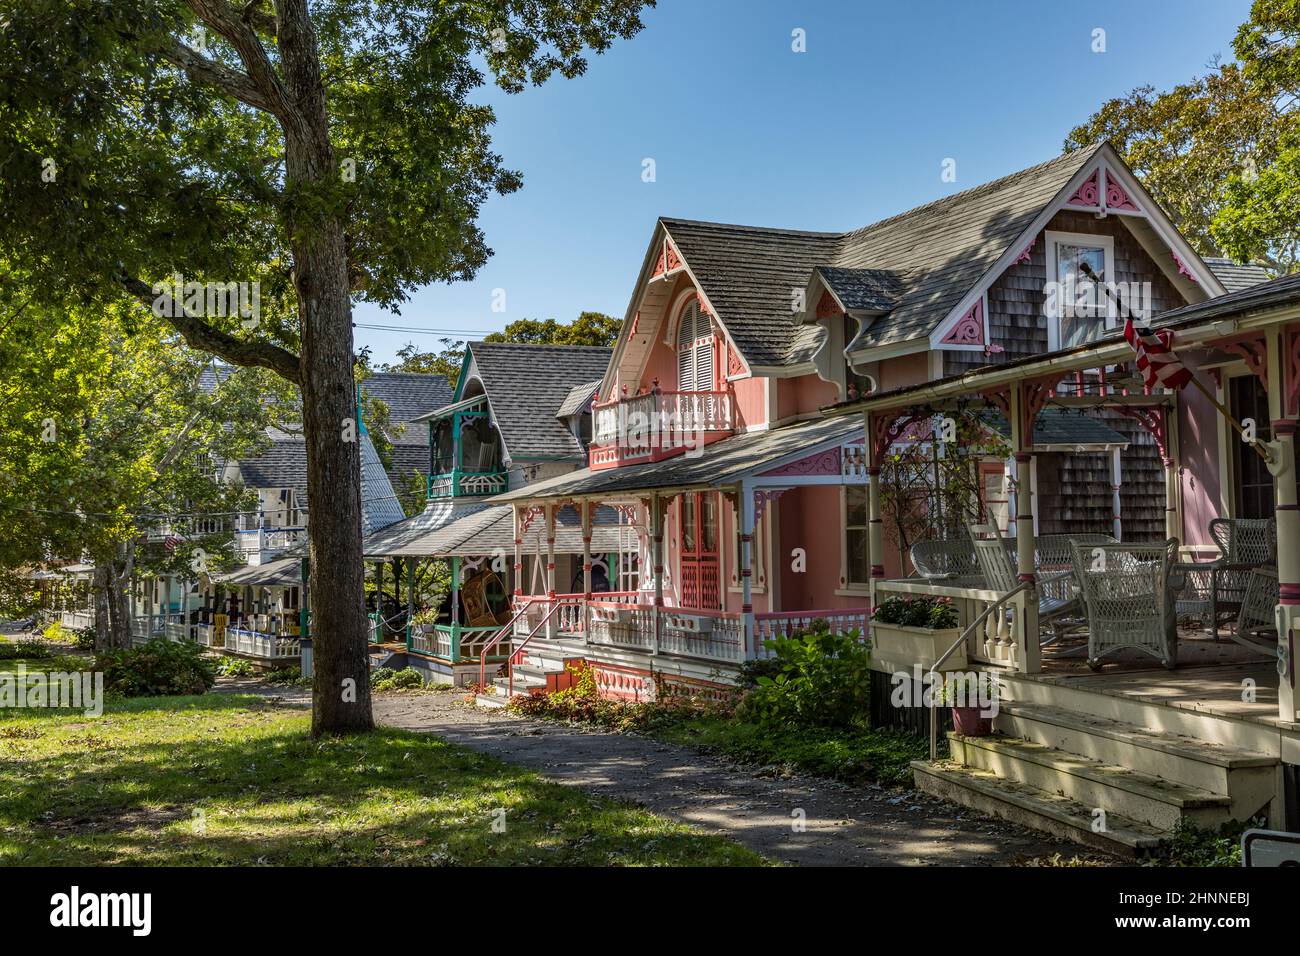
(211,73)
(200,335)
(239,32)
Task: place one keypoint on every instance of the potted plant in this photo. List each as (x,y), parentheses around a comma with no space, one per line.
(969,716)
(917,630)
(425,619)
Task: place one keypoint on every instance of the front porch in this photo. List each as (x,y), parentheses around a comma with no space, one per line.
(1124,704)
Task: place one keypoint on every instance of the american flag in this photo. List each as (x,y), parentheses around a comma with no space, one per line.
(1156,360)
(171,542)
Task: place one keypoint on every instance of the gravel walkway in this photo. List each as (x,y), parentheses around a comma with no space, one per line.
(842,825)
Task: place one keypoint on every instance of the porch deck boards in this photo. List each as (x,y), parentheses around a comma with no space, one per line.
(1209,677)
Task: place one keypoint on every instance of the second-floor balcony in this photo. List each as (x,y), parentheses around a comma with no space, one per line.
(657,424)
(258,545)
(459,483)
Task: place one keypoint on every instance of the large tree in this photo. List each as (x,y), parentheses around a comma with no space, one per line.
(112,439)
(324,152)
(1222,152)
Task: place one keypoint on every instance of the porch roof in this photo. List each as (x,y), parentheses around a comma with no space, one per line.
(724,462)
(1057,429)
(490,530)
(282,572)
(1200,324)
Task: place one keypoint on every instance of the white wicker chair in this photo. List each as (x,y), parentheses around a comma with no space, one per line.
(951,561)
(1217,588)
(1256,624)
(1057,601)
(1129,592)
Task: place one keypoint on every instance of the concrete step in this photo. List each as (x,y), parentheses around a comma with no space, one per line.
(1050,812)
(1133,794)
(1246,776)
(490,701)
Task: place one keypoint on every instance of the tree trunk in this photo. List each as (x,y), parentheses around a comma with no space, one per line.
(102,605)
(341,665)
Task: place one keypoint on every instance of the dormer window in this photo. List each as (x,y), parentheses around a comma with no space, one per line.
(695,351)
(1079,310)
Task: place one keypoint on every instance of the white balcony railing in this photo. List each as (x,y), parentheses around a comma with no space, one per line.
(639,426)
(257,644)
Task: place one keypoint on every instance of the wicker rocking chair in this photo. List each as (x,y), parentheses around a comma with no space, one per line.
(1217,588)
(1129,592)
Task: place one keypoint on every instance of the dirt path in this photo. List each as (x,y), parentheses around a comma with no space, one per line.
(843,825)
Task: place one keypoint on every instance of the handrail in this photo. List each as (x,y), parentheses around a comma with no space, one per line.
(524,605)
(510,661)
(965,635)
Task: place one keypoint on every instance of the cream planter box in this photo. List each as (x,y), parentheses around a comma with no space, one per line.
(900,644)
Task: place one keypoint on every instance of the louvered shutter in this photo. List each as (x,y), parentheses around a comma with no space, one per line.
(694,351)
(686,350)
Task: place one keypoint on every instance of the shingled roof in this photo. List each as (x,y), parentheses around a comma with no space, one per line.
(408,395)
(527,384)
(932,255)
(1236,276)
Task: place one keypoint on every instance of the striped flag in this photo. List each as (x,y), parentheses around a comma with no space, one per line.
(1156,360)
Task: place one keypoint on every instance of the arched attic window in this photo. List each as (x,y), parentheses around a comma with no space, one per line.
(695,350)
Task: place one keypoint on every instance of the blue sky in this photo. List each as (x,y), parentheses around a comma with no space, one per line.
(743,129)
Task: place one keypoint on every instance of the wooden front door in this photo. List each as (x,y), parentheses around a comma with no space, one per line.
(698,547)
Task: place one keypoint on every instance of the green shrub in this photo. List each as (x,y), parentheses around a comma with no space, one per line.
(936,613)
(751,671)
(157,668)
(84,638)
(27,649)
(822,681)
(1203,846)
(385,678)
(235,667)
(288,676)
(581,703)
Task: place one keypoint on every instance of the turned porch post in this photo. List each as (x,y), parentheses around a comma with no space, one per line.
(1288,521)
(746,515)
(1022,438)
(1173,527)
(875,526)
(584,510)
(519,553)
(657,562)
(549,513)
(1116,483)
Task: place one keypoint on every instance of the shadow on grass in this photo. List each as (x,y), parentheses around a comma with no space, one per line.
(228,780)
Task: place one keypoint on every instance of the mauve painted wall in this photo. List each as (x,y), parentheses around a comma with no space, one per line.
(1198,443)
(751,402)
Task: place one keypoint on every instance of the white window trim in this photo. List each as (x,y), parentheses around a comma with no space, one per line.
(1051,240)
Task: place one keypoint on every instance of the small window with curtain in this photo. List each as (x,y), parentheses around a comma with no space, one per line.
(858,569)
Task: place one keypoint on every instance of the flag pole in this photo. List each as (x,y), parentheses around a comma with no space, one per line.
(1210,396)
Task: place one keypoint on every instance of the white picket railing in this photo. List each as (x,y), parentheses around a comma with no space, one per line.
(769,626)
(256,644)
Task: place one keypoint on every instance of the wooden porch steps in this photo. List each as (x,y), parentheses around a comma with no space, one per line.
(1101,780)
(1245,775)
(1135,795)
(1050,812)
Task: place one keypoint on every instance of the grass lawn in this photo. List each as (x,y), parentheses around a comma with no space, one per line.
(220,779)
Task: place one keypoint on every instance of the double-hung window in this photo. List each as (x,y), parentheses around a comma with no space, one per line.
(1080,304)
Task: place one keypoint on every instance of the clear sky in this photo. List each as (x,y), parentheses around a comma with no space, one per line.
(743,129)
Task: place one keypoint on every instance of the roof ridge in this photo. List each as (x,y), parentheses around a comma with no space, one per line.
(1086,153)
(734,225)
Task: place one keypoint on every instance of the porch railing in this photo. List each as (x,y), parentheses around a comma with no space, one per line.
(454,643)
(771,625)
(998,640)
(74,620)
(460,483)
(257,644)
